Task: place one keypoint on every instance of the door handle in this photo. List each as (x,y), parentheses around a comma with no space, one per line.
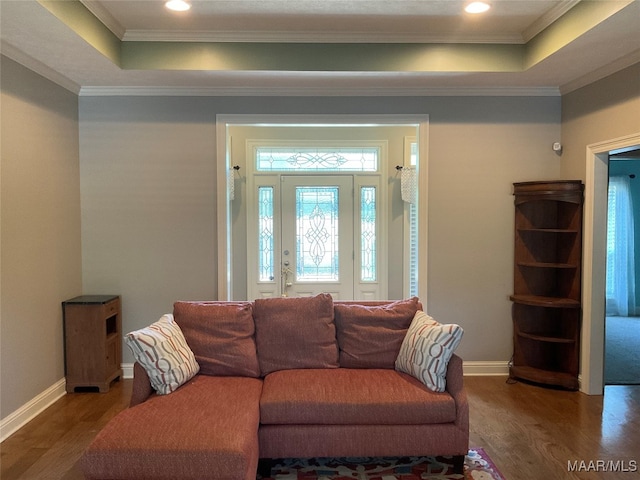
(286,271)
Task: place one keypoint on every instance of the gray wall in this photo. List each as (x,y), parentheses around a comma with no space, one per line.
(148,183)
(40,231)
(604,110)
(148,203)
(145,170)
(140,173)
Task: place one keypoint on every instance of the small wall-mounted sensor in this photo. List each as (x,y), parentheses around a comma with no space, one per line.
(557,147)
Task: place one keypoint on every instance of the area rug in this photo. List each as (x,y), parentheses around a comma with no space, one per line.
(477,466)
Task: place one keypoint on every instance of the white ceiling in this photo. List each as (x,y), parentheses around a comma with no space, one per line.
(35,37)
(312,19)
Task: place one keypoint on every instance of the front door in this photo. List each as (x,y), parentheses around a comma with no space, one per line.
(317,253)
(304,238)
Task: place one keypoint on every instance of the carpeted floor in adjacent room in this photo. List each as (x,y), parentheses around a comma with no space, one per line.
(622,351)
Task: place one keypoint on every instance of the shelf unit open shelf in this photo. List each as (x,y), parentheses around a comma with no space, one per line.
(546,300)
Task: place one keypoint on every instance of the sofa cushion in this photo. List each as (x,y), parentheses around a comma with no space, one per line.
(427,349)
(369,336)
(295,333)
(164,354)
(206,429)
(351,397)
(221,335)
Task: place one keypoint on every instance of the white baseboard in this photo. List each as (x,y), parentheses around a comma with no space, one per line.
(23,415)
(37,405)
(469,369)
(127,370)
(485,368)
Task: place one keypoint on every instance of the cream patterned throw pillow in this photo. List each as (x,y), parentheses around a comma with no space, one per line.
(164,354)
(427,349)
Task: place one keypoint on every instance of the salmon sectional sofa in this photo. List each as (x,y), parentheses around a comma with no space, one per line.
(220,388)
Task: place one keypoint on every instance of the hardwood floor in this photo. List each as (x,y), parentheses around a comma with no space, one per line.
(531,433)
(49,446)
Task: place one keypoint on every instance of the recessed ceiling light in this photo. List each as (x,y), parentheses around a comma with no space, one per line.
(477,7)
(177,5)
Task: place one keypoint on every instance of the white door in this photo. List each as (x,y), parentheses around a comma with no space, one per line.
(300,236)
(317,244)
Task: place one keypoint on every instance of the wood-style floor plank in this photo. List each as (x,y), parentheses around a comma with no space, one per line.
(50,445)
(530,432)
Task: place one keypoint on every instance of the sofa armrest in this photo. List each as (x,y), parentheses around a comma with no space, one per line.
(455,387)
(142,388)
(455,382)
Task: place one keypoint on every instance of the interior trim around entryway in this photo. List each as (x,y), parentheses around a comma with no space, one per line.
(594,260)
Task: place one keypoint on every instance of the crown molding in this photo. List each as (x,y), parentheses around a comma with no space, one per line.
(311,37)
(548,18)
(600,73)
(321,92)
(38,67)
(101,13)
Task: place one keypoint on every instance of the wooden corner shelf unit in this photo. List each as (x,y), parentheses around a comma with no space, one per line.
(546,299)
(93,341)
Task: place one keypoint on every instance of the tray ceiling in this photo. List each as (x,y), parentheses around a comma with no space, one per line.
(307,47)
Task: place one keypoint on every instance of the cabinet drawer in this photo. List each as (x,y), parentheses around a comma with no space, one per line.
(111,308)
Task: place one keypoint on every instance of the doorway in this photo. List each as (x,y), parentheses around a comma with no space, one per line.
(594,259)
(232,201)
(622,322)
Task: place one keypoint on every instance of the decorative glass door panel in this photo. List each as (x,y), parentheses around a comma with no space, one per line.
(317,235)
(266,234)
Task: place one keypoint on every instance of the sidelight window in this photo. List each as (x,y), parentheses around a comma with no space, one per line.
(266,239)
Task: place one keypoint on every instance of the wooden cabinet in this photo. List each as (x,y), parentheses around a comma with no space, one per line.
(92,336)
(546,299)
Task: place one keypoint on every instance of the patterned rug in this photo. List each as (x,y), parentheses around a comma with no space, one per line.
(477,466)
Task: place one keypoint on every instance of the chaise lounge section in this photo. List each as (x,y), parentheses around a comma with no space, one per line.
(207,429)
